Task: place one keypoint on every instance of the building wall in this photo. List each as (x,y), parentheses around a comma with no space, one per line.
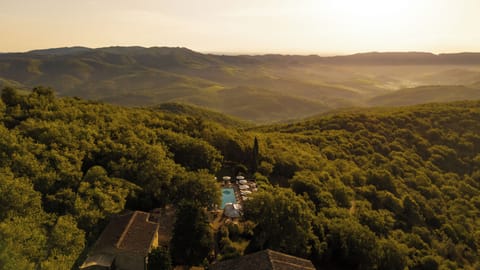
(129,262)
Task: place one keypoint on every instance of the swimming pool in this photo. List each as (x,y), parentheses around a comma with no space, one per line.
(228,196)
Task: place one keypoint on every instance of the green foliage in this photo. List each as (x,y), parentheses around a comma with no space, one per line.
(350,244)
(193,154)
(99,196)
(200,188)
(392,255)
(66,243)
(159,259)
(403,174)
(17,196)
(29,237)
(10,97)
(192,237)
(225,236)
(82,162)
(368,189)
(255,156)
(269,209)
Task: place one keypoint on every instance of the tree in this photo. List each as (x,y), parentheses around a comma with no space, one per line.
(411,215)
(23,240)
(382,180)
(200,188)
(10,96)
(66,242)
(192,237)
(255,156)
(306,182)
(17,196)
(99,196)
(192,153)
(283,222)
(392,255)
(44,91)
(350,244)
(2,109)
(159,259)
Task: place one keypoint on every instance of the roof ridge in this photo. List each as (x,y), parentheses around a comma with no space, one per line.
(270,261)
(291,264)
(287,255)
(124,233)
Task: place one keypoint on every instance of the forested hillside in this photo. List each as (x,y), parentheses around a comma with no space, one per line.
(367,189)
(383,188)
(67,165)
(261,88)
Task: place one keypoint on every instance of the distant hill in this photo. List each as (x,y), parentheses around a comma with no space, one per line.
(451,77)
(256,104)
(407,58)
(252,87)
(194,111)
(61,51)
(426,94)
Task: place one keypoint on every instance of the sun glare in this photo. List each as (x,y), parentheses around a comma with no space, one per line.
(372,14)
(283,26)
(373,23)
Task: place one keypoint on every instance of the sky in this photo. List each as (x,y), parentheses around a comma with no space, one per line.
(322,27)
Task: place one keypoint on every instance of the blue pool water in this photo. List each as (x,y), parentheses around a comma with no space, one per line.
(228,196)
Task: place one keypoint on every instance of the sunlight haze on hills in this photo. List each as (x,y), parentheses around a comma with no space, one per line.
(257,88)
(259,134)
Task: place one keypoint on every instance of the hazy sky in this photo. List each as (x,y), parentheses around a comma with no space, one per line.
(244,26)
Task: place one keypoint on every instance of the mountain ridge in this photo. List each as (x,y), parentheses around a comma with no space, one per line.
(139,76)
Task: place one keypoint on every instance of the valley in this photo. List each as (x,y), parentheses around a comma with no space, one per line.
(258,88)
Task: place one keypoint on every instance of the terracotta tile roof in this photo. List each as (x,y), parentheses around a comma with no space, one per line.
(131,233)
(265,260)
(139,234)
(112,233)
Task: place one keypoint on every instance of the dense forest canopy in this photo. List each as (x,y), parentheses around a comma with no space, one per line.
(367,189)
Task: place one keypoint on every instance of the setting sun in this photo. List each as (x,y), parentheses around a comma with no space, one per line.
(371,14)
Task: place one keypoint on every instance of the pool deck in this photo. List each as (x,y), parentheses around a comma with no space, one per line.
(236,189)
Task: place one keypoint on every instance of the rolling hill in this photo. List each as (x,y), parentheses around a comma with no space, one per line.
(259,88)
(427,94)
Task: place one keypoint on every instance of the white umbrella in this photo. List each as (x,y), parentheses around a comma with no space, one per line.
(231,211)
(243,182)
(227,178)
(239,177)
(243,187)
